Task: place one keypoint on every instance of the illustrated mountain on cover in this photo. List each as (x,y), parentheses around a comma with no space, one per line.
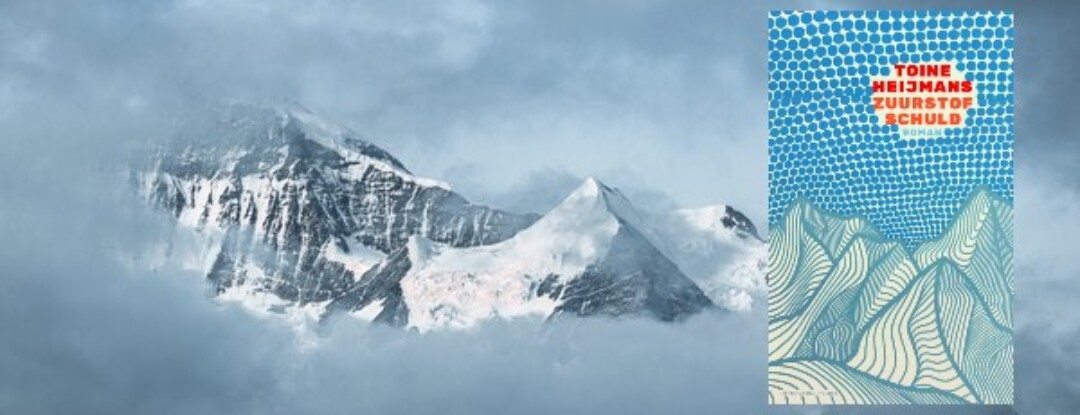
(877,323)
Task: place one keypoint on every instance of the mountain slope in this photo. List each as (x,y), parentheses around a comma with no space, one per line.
(300,208)
(719,249)
(583,257)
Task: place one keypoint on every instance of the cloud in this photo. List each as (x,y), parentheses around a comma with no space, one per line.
(645,95)
(512,87)
(101,313)
(89,328)
(538,192)
(96,321)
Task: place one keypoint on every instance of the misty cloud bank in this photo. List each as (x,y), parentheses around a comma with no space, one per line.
(96,321)
(88,328)
(96,318)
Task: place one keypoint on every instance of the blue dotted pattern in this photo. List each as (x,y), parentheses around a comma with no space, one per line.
(826,144)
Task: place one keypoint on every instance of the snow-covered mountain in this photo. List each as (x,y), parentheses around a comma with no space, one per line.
(584,257)
(300,208)
(300,214)
(719,248)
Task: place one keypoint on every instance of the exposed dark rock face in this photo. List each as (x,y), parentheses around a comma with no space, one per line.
(380,284)
(633,278)
(281,192)
(737,220)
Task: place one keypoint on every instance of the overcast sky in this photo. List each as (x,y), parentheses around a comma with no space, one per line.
(512,102)
(493,97)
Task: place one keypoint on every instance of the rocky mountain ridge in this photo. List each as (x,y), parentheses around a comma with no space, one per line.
(307,212)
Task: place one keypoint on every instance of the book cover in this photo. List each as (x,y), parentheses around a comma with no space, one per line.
(890,207)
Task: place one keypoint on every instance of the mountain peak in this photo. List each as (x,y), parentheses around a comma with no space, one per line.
(297,122)
(600,199)
(249,136)
(589,188)
(589,255)
(721,220)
